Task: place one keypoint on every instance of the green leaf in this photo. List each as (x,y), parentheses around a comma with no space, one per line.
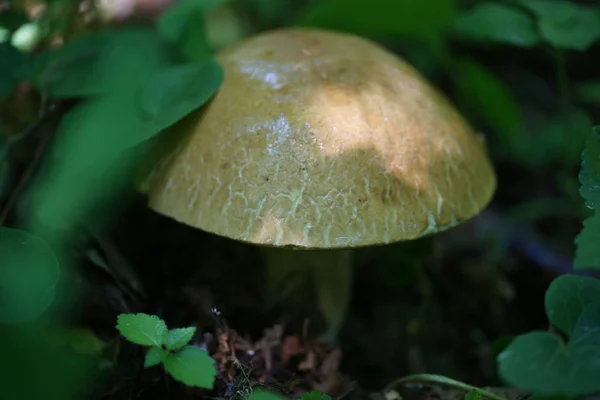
(588,92)
(565,24)
(399,18)
(183,25)
(154,356)
(142,329)
(315,395)
(103,62)
(473,395)
(588,322)
(541,362)
(497,22)
(102,127)
(483,94)
(179,337)
(566,299)
(192,366)
(173,93)
(12,63)
(28,275)
(262,394)
(98,140)
(587,255)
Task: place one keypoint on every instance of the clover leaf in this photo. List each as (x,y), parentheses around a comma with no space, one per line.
(543,362)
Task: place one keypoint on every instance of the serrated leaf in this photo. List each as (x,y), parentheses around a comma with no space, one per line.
(315,395)
(540,362)
(179,337)
(566,24)
(497,22)
(142,329)
(567,297)
(28,275)
(192,366)
(262,394)
(154,356)
(173,93)
(587,254)
(590,170)
(399,18)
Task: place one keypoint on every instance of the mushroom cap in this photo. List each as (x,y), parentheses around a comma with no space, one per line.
(319,139)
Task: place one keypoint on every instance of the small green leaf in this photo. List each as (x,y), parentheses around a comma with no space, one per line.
(398,18)
(497,22)
(315,395)
(28,275)
(566,299)
(179,337)
(262,394)
(540,362)
(142,329)
(154,356)
(566,24)
(192,366)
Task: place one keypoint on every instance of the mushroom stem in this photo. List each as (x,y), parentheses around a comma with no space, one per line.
(331,275)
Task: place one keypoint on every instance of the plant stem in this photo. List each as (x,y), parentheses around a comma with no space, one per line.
(444,381)
(562,78)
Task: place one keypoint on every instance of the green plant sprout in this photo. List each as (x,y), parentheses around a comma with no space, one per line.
(186,363)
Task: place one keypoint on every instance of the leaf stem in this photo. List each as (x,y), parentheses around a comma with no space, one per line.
(444,381)
(562,78)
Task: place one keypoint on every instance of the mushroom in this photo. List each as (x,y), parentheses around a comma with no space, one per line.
(316,143)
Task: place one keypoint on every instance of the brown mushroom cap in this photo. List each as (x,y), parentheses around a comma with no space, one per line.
(319,139)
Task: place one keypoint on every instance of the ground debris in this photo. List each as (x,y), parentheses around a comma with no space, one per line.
(290,364)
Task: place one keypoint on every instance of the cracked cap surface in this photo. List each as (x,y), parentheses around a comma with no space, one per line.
(319,139)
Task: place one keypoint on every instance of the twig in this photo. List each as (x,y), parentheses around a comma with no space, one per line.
(37,156)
